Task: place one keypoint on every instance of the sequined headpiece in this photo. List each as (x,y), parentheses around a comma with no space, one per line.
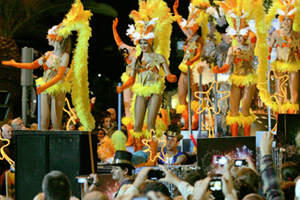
(288,9)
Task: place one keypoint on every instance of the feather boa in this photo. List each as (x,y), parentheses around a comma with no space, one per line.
(78,20)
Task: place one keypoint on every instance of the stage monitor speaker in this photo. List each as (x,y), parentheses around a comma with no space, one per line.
(39,152)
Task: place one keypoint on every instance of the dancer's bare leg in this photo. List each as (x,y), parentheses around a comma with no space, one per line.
(294,86)
(247,99)
(127,95)
(235,96)
(153,108)
(139,113)
(182,88)
(278,83)
(57,104)
(45,111)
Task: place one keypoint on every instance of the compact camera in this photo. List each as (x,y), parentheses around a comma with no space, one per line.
(240,162)
(155,174)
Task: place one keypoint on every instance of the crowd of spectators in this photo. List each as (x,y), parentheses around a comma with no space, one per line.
(245,184)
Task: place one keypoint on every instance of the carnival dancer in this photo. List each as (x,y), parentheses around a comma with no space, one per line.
(129,53)
(244,77)
(286,42)
(192,49)
(54,85)
(55,64)
(151,34)
(216,55)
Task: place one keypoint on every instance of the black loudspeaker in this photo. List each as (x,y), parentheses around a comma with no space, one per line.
(39,152)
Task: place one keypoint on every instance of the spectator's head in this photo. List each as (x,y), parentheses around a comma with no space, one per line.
(192,178)
(101,134)
(250,176)
(56,186)
(156,187)
(243,188)
(122,167)
(113,114)
(288,189)
(173,136)
(7,131)
(106,122)
(289,171)
(18,124)
(95,195)
(39,196)
(34,126)
(253,196)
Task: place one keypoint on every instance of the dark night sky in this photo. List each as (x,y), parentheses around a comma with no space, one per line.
(104,57)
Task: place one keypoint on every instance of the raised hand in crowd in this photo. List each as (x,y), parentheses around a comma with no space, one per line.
(91,187)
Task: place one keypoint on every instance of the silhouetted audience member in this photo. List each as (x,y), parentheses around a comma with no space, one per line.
(56,186)
(289,171)
(289,189)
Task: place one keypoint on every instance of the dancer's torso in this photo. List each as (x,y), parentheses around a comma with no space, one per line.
(242,61)
(149,69)
(53,63)
(190,47)
(287,46)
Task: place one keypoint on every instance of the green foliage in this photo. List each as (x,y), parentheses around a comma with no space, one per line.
(19,15)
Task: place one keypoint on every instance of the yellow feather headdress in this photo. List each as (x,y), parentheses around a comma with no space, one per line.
(285,8)
(238,14)
(197,16)
(153,22)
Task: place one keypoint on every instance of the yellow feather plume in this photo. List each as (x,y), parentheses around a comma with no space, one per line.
(78,20)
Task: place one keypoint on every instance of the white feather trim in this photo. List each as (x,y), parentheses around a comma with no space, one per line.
(153,21)
(149,36)
(53,30)
(130,30)
(136,35)
(183,23)
(230,31)
(221,11)
(190,7)
(252,26)
(292,2)
(280,12)
(223,77)
(231,14)
(292,11)
(244,31)
(213,12)
(207,75)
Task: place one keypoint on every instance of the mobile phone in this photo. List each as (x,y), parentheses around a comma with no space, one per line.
(155,174)
(220,160)
(215,184)
(81,179)
(140,198)
(240,162)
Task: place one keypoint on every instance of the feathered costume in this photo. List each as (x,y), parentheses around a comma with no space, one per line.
(53,82)
(238,14)
(153,23)
(290,63)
